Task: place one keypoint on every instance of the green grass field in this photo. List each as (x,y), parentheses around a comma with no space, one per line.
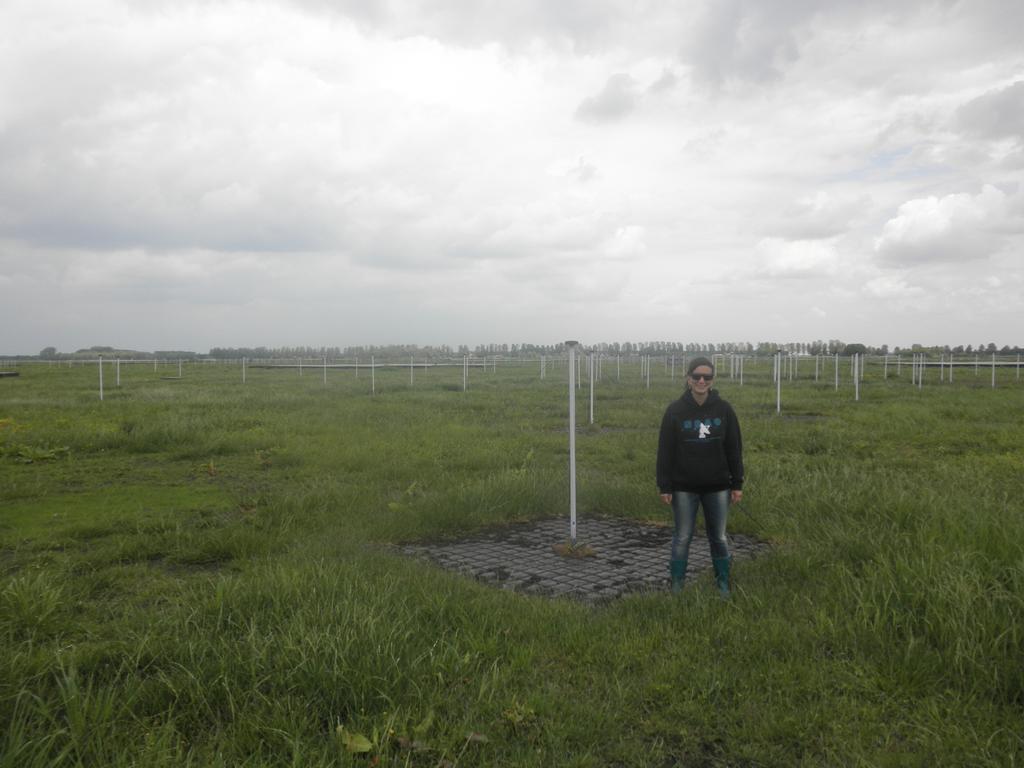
(194,572)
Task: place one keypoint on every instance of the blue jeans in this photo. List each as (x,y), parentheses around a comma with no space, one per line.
(684,511)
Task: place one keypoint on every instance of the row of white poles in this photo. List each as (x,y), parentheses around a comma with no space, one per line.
(790,363)
(735,361)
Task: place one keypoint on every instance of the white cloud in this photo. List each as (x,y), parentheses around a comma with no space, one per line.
(586,27)
(583,171)
(667,81)
(733,39)
(891,287)
(778,258)
(626,243)
(233,199)
(955,227)
(820,215)
(996,114)
(616,100)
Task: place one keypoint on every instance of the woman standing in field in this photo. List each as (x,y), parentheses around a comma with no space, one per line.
(700,463)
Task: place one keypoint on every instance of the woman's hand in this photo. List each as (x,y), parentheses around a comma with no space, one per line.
(735,496)
(666,498)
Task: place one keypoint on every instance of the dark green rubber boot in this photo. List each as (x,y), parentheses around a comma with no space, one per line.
(722,574)
(678,569)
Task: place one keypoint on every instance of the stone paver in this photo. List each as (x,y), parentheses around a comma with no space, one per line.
(628,557)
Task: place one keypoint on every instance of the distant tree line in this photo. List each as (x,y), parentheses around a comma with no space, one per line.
(237,353)
(51,353)
(817,347)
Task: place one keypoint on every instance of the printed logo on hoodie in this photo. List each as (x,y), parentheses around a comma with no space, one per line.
(703,427)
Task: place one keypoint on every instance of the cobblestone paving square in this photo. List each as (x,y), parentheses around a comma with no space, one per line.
(628,556)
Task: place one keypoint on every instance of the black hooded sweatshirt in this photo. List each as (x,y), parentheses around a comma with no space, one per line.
(700,449)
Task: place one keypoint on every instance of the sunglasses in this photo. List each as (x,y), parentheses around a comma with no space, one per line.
(704,376)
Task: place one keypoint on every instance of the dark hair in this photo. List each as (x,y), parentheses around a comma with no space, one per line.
(696,363)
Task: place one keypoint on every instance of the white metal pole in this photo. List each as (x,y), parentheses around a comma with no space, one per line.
(778,382)
(410,370)
(300,366)
(325,371)
(591,387)
(373,376)
(572,439)
(837,371)
(243,370)
(856,376)
(117,365)
(101,377)
(951,367)
(179,367)
(993,370)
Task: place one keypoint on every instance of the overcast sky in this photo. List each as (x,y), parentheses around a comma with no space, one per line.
(179,175)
